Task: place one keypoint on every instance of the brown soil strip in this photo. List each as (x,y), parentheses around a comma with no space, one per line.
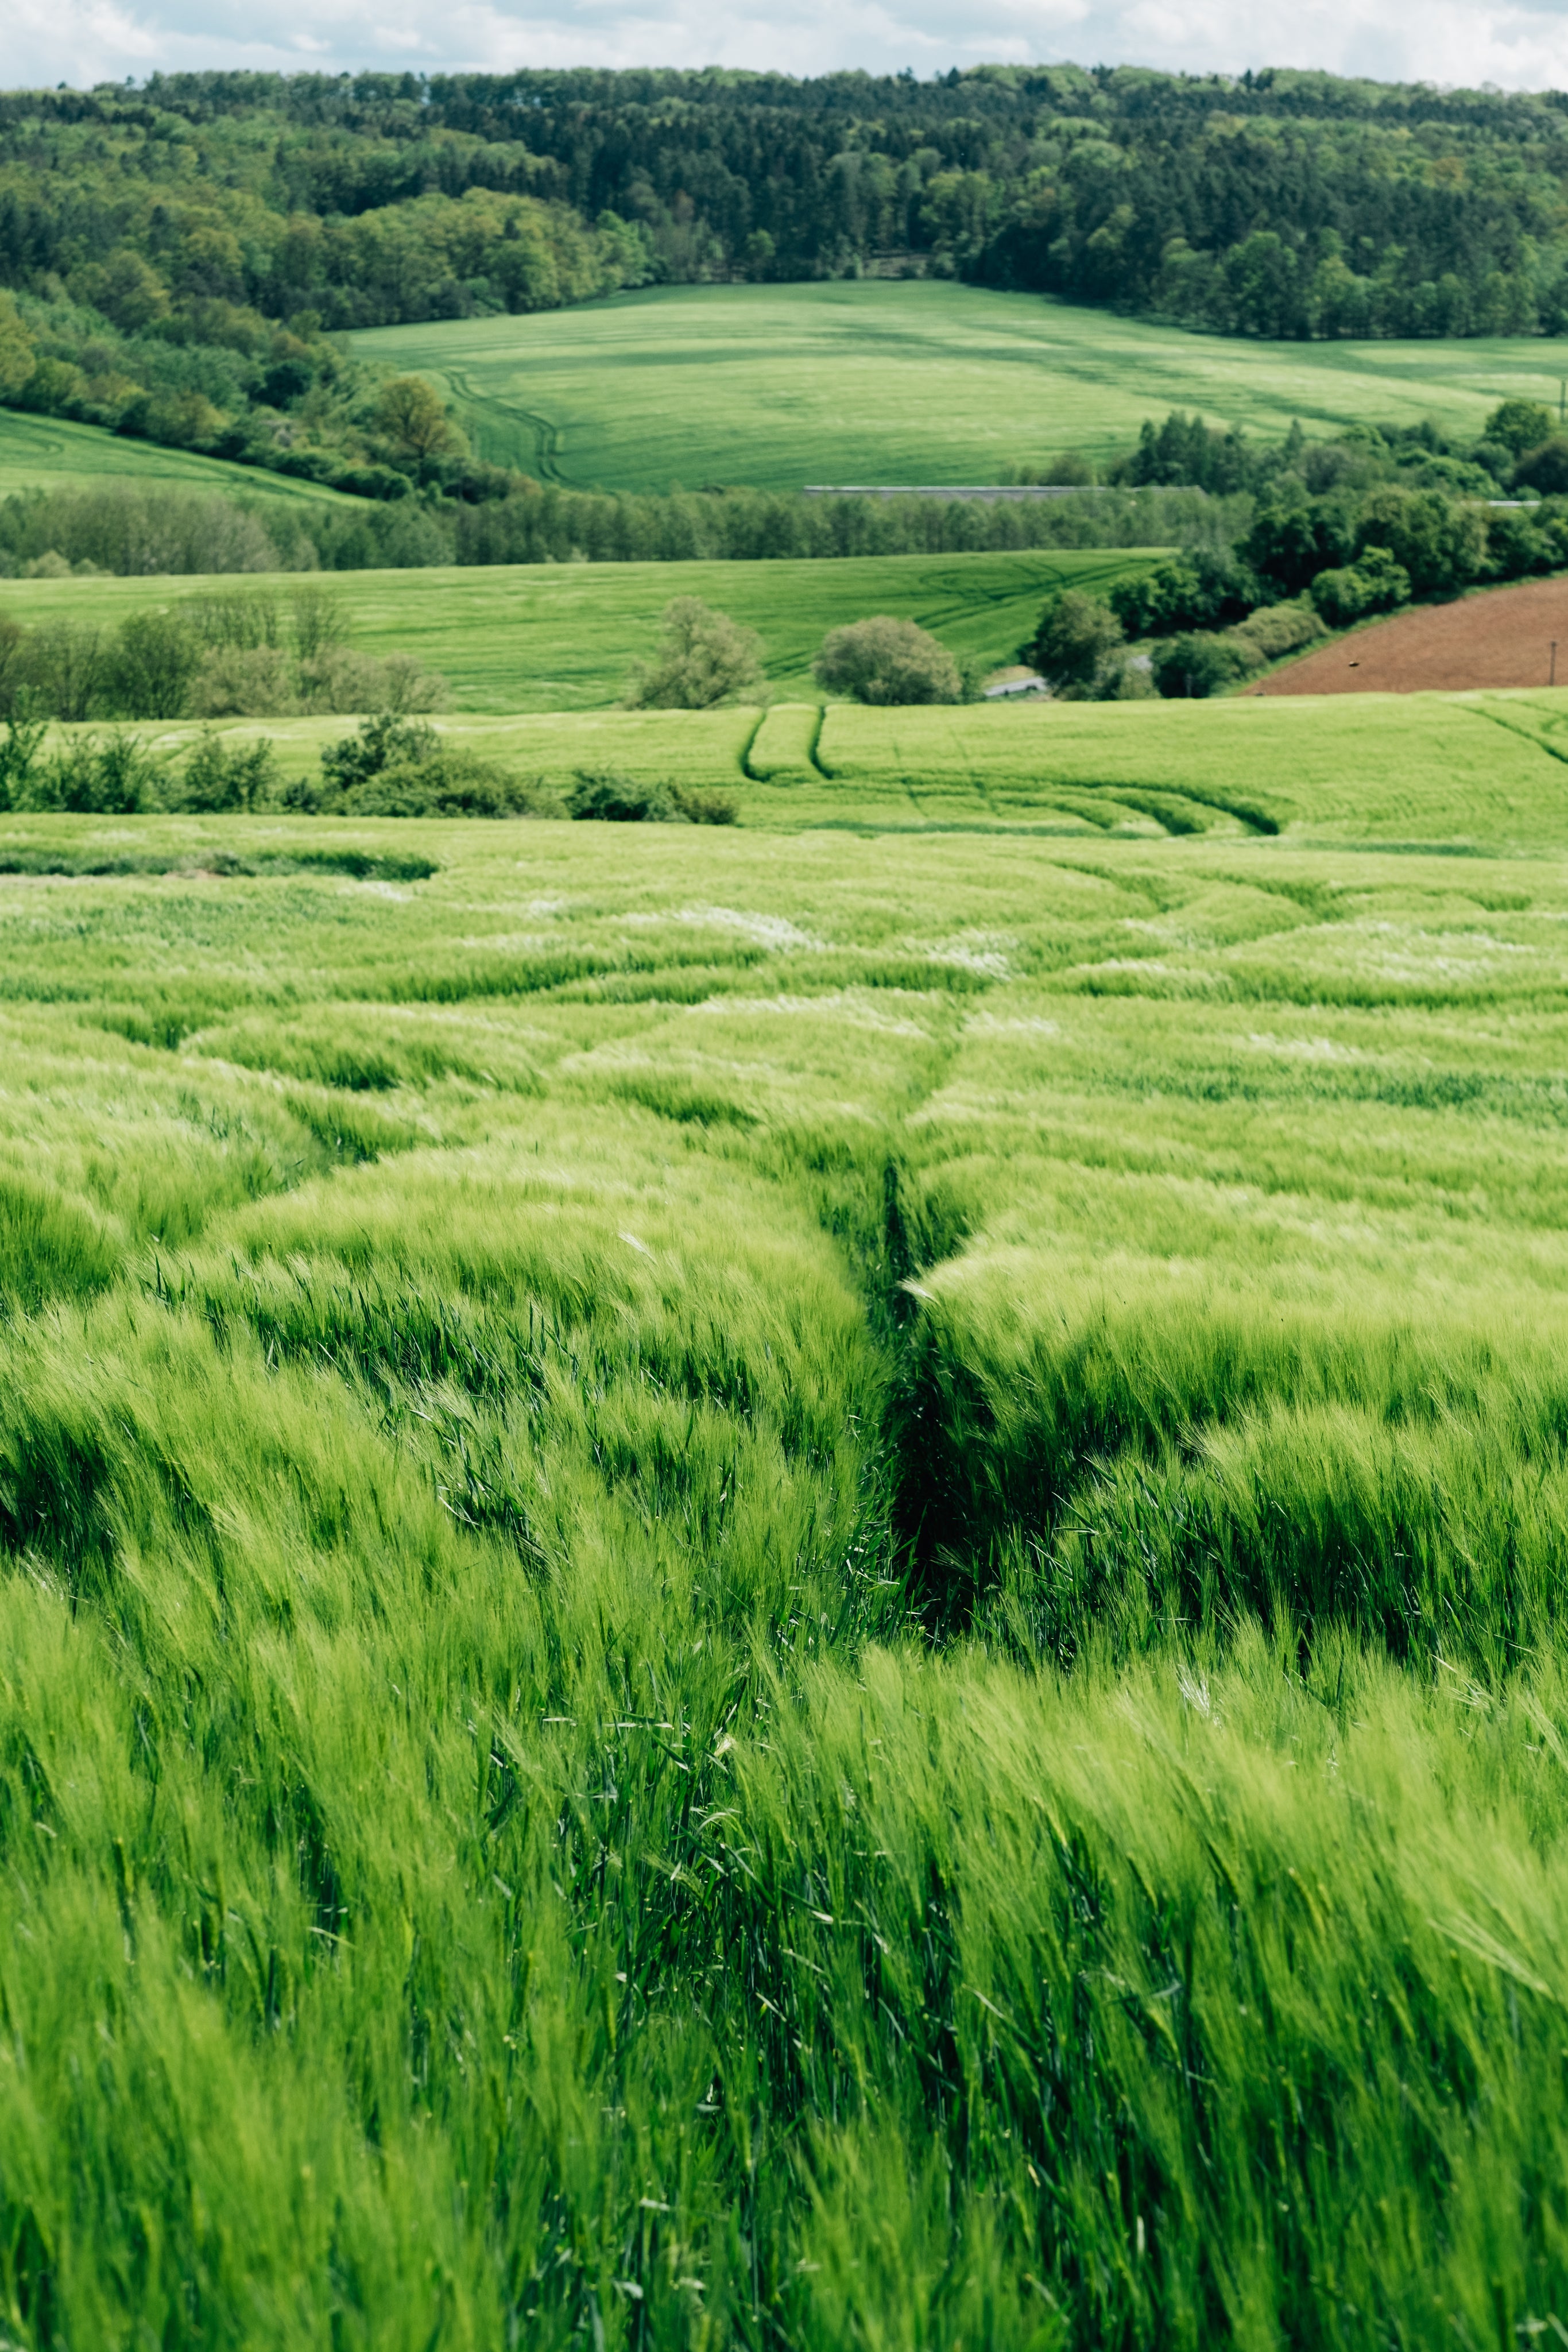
(1502,637)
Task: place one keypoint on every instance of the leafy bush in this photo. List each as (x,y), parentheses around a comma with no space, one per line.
(1199,590)
(1275,630)
(1129,679)
(19,750)
(451,784)
(1292,539)
(1195,666)
(410,416)
(217,656)
(1074,648)
(704,658)
(396,766)
(1520,426)
(340,679)
(220,775)
(1069,467)
(1545,469)
(601,795)
(1517,545)
(1430,470)
(612,798)
(884,660)
(1496,459)
(152,665)
(1439,542)
(700,807)
(1374,583)
(244,682)
(65,668)
(384,741)
(118,776)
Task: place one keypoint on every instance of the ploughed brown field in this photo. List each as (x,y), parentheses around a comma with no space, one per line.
(1502,637)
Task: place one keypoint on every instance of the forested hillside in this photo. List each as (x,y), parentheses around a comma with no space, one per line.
(1281,204)
(179,258)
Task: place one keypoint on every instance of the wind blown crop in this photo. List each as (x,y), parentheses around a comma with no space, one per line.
(785,1589)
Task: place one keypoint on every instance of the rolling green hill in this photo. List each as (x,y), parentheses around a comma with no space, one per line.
(889,383)
(559,637)
(51,453)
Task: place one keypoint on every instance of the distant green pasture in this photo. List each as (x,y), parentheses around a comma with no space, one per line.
(45,453)
(887,382)
(549,637)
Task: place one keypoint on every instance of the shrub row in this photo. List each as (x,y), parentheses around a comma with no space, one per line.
(391,766)
(242,652)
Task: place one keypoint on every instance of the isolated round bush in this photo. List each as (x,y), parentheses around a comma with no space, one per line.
(704,658)
(883,661)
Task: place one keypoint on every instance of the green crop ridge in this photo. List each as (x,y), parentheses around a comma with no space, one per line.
(774,1585)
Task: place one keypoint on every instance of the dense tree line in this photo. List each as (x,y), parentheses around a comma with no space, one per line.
(46,533)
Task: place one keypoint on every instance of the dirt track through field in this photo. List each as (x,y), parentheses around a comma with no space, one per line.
(1501,638)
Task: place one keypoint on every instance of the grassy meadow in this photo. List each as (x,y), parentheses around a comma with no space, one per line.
(50,452)
(893,382)
(533,637)
(797,1586)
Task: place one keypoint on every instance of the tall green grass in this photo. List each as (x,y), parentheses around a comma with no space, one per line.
(734,1612)
(1465,774)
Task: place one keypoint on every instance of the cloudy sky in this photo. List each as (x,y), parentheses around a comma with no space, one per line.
(1453,41)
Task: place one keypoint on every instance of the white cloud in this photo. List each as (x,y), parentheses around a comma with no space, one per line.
(81,41)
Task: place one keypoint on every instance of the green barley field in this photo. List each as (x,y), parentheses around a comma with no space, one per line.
(50,452)
(801,1584)
(884,381)
(536,637)
(1465,773)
